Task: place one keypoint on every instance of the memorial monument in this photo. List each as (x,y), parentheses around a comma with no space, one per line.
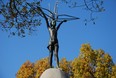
(53,23)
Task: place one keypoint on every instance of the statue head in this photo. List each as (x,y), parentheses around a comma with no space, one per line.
(53,23)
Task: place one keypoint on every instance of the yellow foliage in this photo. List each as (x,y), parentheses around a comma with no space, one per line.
(89,64)
(40,66)
(113,71)
(26,70)
(92,63)
(65,65)
(33,70)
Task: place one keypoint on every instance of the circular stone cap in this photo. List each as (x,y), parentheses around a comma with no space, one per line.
(54,73)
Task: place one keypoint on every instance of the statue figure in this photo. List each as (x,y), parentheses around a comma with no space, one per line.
(53,45)
(51,23)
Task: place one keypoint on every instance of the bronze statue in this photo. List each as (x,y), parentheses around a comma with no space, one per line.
(53,43)
(51,22)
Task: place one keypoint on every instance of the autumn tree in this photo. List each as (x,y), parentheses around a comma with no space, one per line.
(89,64)
(65,65)
(33,70)
(26,70)
(40,66)
(113,71)
(22,17)
(92,63)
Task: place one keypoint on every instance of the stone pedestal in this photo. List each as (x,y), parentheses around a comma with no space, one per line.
(54,73)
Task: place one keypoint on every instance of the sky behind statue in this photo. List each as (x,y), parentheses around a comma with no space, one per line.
(14,51)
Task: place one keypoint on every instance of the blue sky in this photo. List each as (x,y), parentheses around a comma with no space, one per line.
(14,51)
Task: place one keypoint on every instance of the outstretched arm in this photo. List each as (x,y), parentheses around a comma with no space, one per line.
(46,19)
(60,24)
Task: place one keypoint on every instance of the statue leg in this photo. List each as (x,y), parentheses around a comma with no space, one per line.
(50,55)
(56,48)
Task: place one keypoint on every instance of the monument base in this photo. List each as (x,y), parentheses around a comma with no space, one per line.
(54,73)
